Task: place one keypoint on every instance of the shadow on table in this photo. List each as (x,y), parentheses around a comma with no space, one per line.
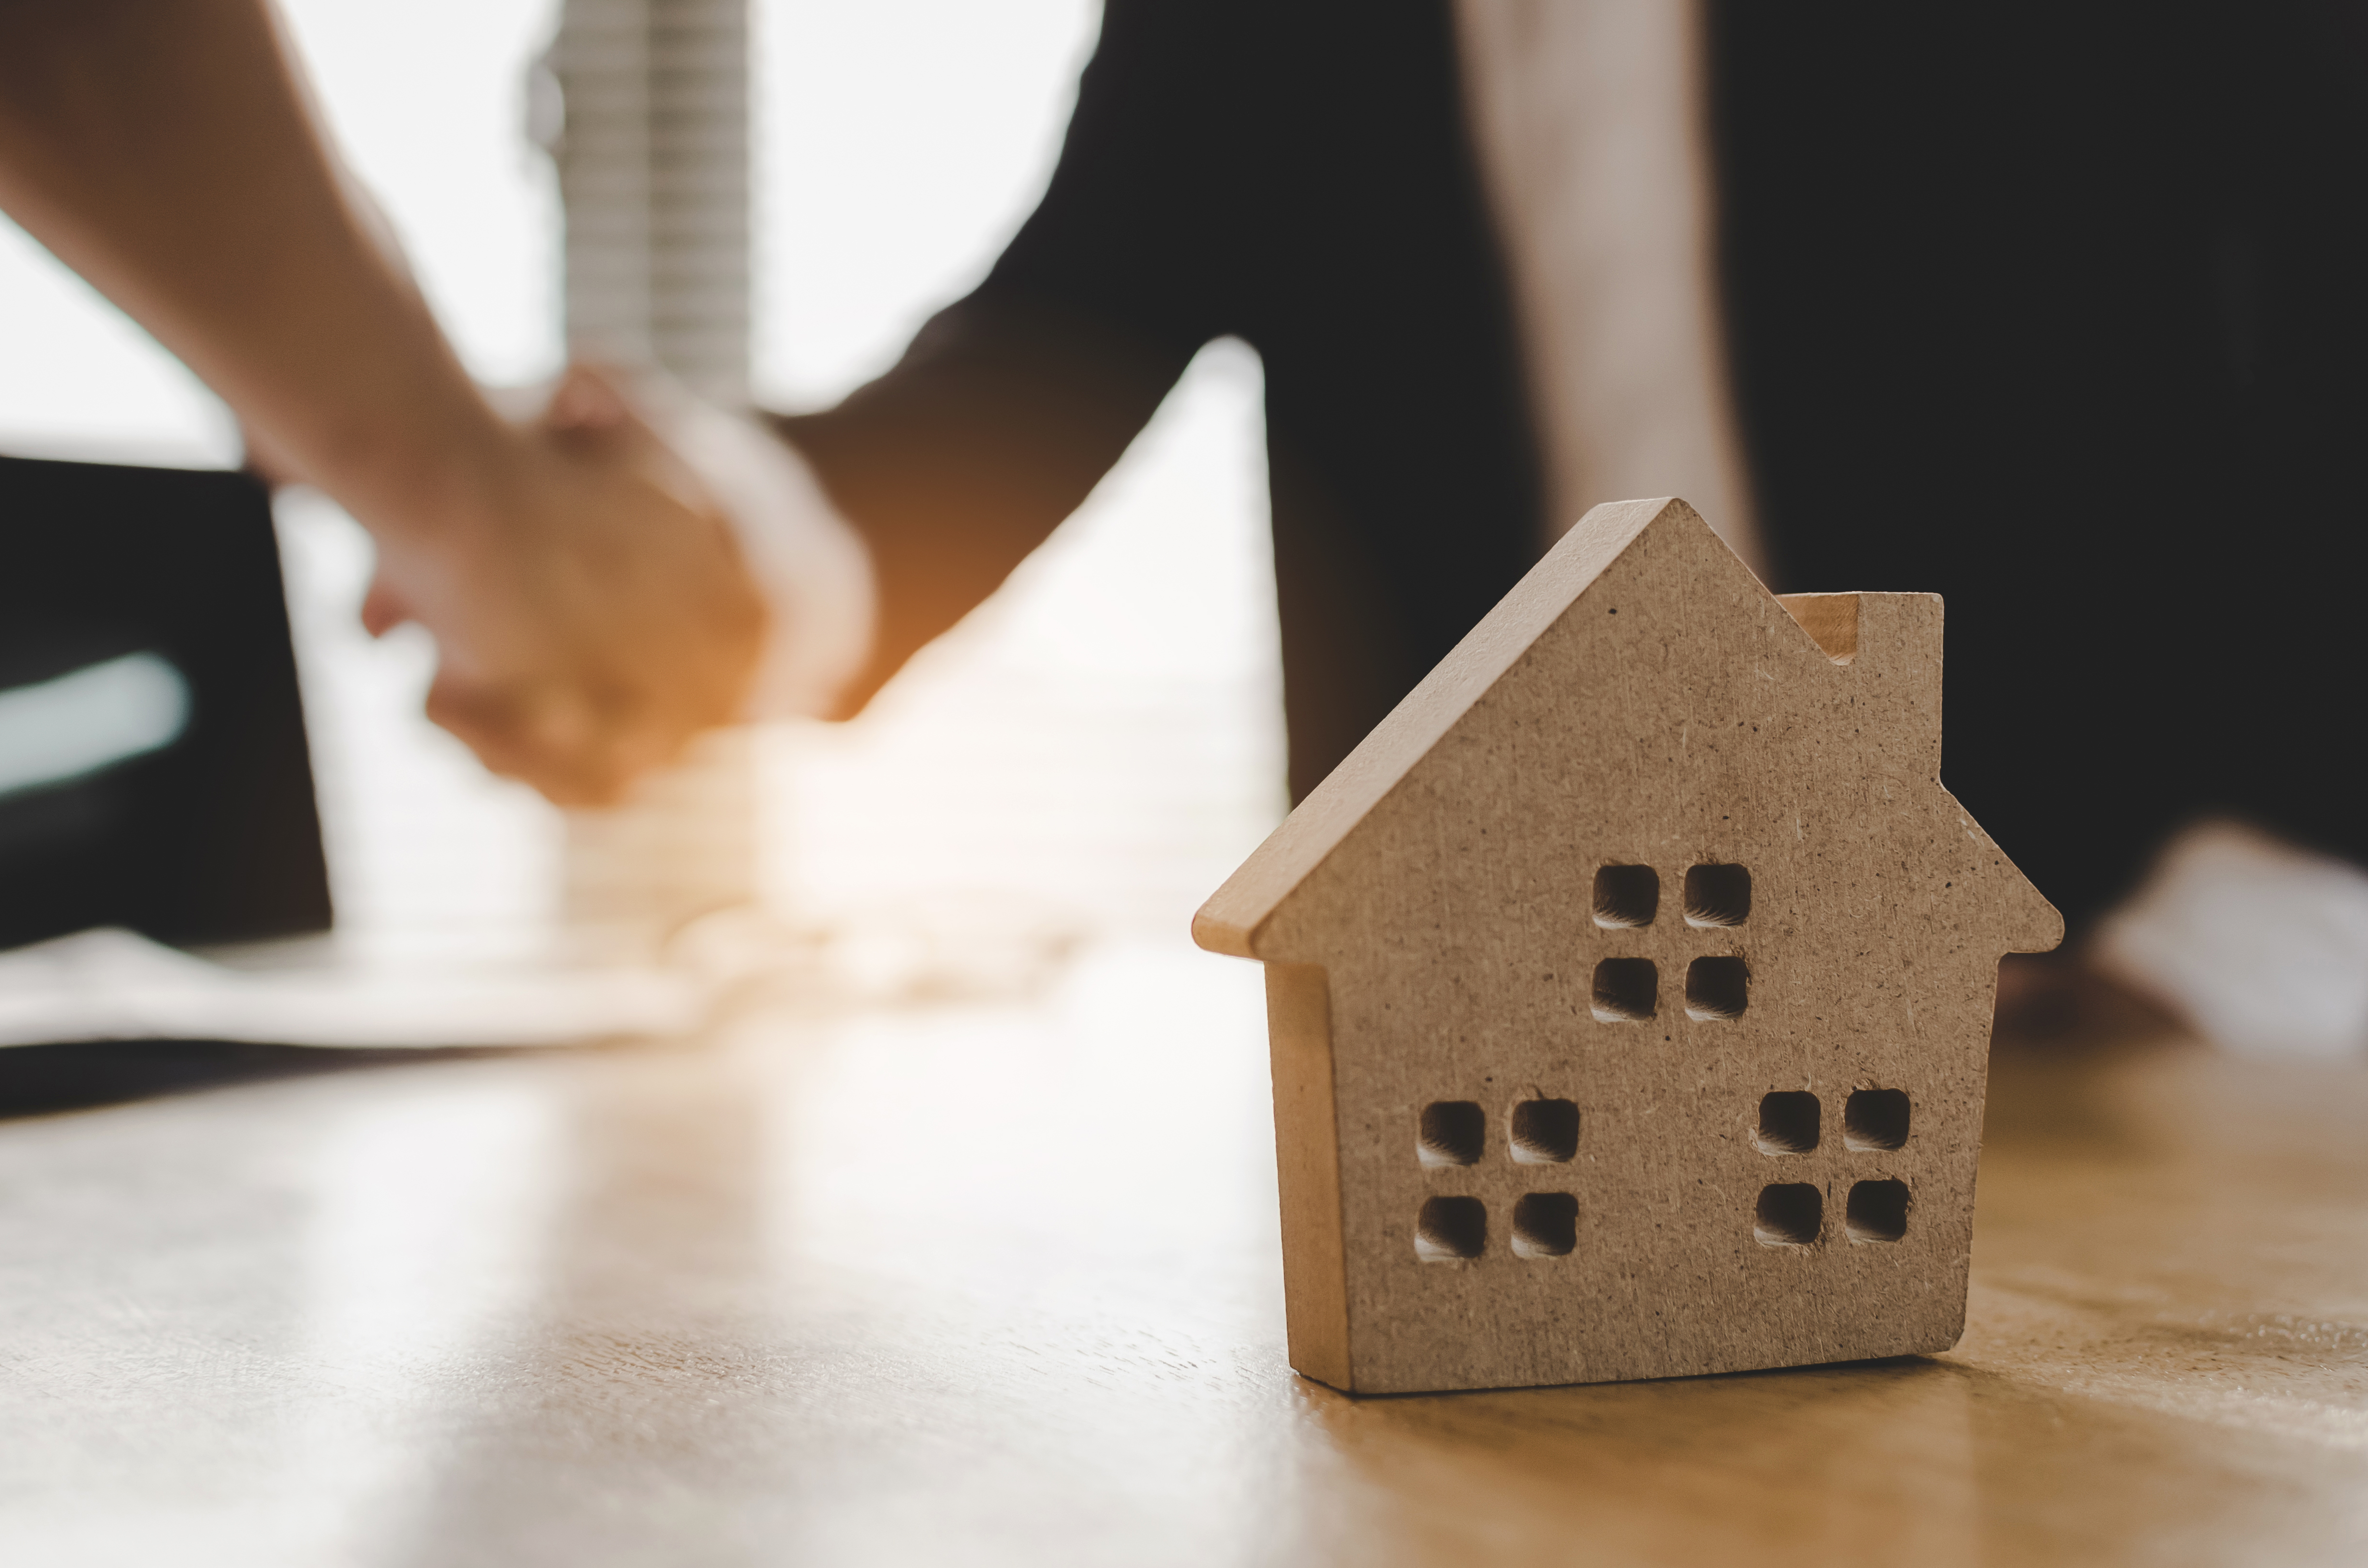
(36,1080)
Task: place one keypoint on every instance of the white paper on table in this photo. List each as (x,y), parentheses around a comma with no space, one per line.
(2263,945)
(115,984)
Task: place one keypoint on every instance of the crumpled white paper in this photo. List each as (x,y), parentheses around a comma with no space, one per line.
(2263,945)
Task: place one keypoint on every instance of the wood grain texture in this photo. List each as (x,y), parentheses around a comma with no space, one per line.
(1307,1169)
(1831,620)
(997,1285)
(1640,699)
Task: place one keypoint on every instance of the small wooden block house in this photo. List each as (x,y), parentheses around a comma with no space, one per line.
(1630,987)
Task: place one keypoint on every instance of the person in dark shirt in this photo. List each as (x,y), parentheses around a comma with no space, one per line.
(2054,311)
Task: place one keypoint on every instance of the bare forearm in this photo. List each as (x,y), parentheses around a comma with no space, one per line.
(162,149)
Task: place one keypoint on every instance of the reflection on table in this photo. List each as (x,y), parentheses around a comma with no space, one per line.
(998,1282)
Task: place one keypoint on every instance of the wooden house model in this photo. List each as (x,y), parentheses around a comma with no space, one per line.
(1630,987)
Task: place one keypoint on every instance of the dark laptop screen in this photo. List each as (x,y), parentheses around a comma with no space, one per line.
(152,765)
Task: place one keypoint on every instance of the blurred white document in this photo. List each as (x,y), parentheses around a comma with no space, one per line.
(114,984)
(2261,945)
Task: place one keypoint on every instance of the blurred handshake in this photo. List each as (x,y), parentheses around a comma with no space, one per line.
(627,567)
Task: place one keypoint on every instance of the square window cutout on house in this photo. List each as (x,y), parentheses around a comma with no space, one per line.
(1875,1119)
(1626,896)
(1545,1132)
(1789,1122)
(1717,988)
(1545,1225)
(1717,895)
(1627,990)
(1450,1133)
(1790,1214)
(1877,1211)
(1447,1229)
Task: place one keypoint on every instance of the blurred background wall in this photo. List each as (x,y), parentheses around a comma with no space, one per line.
(1088,756)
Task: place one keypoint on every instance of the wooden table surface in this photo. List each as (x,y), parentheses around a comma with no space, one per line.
(999,1283)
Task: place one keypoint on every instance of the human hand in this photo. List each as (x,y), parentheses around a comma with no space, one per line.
(591,610)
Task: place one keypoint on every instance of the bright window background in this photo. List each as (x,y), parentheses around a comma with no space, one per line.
(1091,752)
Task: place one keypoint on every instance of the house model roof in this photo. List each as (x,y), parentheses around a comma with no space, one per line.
(1826,624)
